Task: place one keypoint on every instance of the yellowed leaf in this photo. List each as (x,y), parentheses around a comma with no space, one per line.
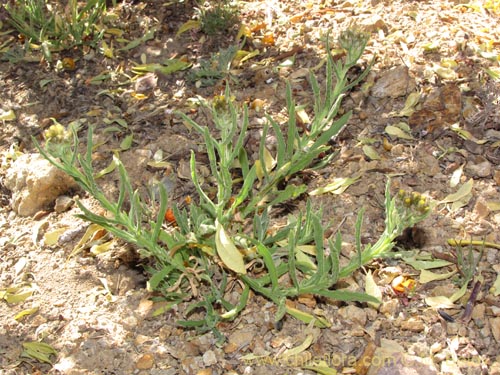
(462,195)
(338,186)
(18,293)
(439,302)
(370,152)
(38,350)
(428,276)
(298,349)
(189,25)
(372,289)
(493,205)
(395,131)
(20,315)
(101,248)
(51,238)
(90,233)
(9,115)
(107,50)
(445,73)
(227,251)
(322,368)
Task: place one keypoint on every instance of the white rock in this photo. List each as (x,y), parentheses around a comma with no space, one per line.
(35,184)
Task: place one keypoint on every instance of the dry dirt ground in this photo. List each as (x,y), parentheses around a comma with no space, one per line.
(95,311)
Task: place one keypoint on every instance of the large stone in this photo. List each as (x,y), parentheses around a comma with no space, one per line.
(35,184)
(393,83)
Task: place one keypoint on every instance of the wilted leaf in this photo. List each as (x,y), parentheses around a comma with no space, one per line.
(20,315)
(298,349)
(19,266)
(321,368)
(268,39)
(38,350)
(101,248)
(428,276)
(127,142)
(7,115)
(241,56)
(17,294)
(410,103)
(135,43)
(167,67)
(439,302)
(244,31)
(338,186)
(370,152)
(92,232)
(372,289)
(462,195)
(426,264)
(307,318)
(107,50)
(305,260)
(269,164)
(493,205)
(431,46)
(493,73)
(114,31)
(189,25)
(303,116)
(51,238)
(459,293)
(110,168)
(226,250)
(45,82)
(395,131)
(449,63)
(445,73)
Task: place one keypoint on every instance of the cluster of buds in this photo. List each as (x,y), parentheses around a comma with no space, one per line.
(414,200)
(221,103)
(353,41)
(57,133)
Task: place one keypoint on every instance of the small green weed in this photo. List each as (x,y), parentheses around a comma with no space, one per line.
(48,26)
(217,16)
(211,71)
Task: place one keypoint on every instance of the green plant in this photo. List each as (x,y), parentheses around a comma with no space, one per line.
(229,232)
(214,69)
(52,28)
(132,224)
(217,17)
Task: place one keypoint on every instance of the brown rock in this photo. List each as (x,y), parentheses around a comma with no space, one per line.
(390,308)
(373,23)
(145,362)
(413,324)
(239,339)
(354,314)
(393,83)
(495,328)
(441,107)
